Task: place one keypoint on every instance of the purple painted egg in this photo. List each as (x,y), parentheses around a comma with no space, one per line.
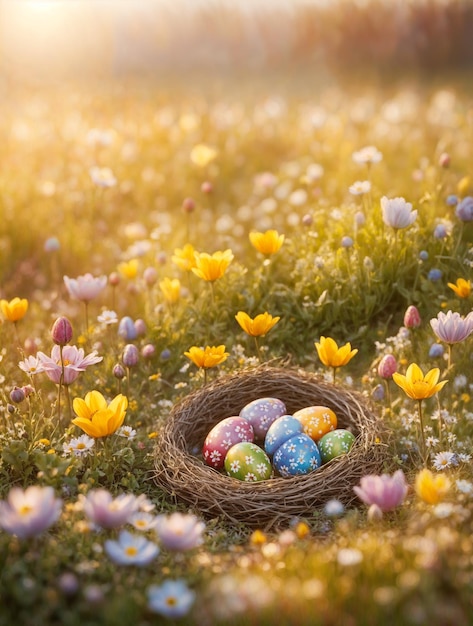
(280,431)
(223,436)
(247,461)
(298,455)
(261,413)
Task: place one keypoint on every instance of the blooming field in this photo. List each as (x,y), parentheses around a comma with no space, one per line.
(155,239)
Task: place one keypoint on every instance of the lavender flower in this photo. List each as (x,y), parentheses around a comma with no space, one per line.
(72,360)
(108,512)
(179,532)
(452,327)
(397,213)
(387,492)
(464,210)
(30,512)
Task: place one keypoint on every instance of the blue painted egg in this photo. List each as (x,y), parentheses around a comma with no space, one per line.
(247,461)
(261,413)
(298,455)
(280,431)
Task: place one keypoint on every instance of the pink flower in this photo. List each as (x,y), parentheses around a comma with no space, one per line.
(108,512)
(386,492)
(31,365)
(179,531)
(30,512)
(73,360)
(61,332)
(452,327)
(412,317)
(387,366)
(86,287)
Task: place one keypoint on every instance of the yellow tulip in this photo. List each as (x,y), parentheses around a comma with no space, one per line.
(462,287)
(210,356)
(184,257)
(431,488)
(128,269)
(257,327)
(267,243)
(333,356)
(211,267)
(171,289)
(416,385)
(15,309)
(97,418)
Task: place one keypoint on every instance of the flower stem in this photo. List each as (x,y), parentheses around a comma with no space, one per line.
(449,362)
(258,350)
(334,374)
(205,375)
(422,434)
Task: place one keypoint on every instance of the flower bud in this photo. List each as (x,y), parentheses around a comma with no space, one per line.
(378,393)
(188,206)
(412,317)
(61,331)
(387,366)
(10,408)
(148,351)
(114,279)
(140,327)
(126,329)
(444,160)
(436,351)
(119,371)
(307,219)
(130,356)
(17,395)
(206,187)
(165,354)
(150,276)
(347,242)
(464,210)
(51,244)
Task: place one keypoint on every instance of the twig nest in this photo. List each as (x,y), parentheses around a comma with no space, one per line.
(182,473)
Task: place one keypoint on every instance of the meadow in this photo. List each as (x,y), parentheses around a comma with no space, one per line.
(111,194)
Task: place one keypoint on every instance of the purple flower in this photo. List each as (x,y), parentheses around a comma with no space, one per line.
(436,351)
(127,329)
(452,327)
(73,360)
(464,210)
(423,255)
(452,200)
(131,355)
(440,231)
(387,492)
(61,332)
(30,512)
(378,393)
(347,242)
(179,531)
(387,366)
(108,512)
(435,275)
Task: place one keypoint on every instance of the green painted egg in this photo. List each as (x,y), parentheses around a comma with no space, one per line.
(247,461)
(335,443)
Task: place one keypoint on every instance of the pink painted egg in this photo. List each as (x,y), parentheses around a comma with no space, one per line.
(261,413)
(223,436)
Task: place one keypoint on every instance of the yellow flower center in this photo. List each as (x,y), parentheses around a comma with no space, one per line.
(131,551)
(171,601)
(25,509)
(80,446)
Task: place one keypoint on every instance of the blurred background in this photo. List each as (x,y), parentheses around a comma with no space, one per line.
(54,40)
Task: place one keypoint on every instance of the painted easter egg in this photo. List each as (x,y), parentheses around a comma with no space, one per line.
(298,455)
(223,436)
(247,461)
(316,421)
(335,443)
(261,413)
(280,431)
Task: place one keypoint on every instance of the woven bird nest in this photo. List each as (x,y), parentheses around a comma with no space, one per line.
(181,472)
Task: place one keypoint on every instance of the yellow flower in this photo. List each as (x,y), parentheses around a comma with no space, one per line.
(257,327)
(462,287)
(128,269)
(171,289)
(15,309)
(258,538)
(416,385)
(210,356)
(95,417)
(202,155)
(267,243)
(184,257)
(211,267)
(431,488)
(333,356)
(464,186)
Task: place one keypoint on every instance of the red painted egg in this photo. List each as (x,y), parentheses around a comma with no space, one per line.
(223,436)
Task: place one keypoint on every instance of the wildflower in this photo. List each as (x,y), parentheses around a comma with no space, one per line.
(412,317)
(367,155)
(212,267)
(359,188)
(452,327)
(150,276)
(28,513)
(71,362)
(333,356)
(127,329)
(119,371)
(148,351)
(267,243)
(347,242)
(378,393)
(14,310)
(128,269)
(61,332)
(348,557)
(397,213)
(258,326)
(51,244)
(102,177)
(184,257)
(171,599)
(464,486)
(107,512)
(444,160)
(131,549)
(107,318)
(86,287)
(202,155)
(97,418)
(17,395)
(387,492)
(436,350)
(334,508)
(416,385)
(126,431)
(464,209)
(431,488)
(387,366)
(462,287)
(143,520)
(31,365)
(79,446)
(179,532)
(171,289)
(442,460)
(423,255)
(210,356)
(435,275)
